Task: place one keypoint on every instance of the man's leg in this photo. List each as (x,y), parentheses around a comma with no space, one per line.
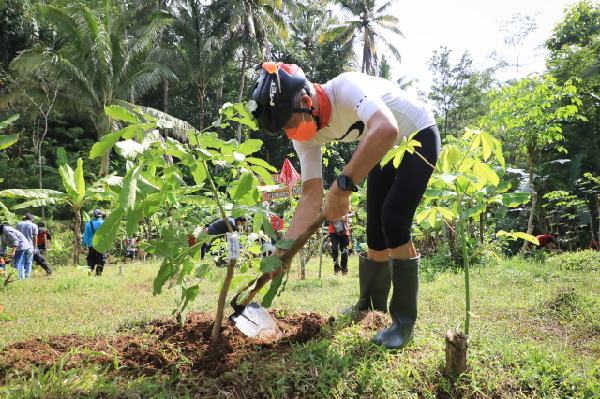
(100,260)
(91,259)
(344,248)
(18,263)
(28,263)
(334,252)
(39,260)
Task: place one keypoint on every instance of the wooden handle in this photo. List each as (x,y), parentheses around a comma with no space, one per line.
(285,262)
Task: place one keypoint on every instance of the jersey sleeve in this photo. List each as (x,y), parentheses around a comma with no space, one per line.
(311,163)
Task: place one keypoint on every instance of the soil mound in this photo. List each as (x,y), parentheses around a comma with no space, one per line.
(160,346)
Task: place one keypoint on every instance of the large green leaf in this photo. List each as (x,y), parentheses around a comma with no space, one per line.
(68,179)
(269,263)
(34,193)
(263,173)
(106,235)
(105,144)
(515,199)
(119,113)
(6,122)
(8,140)
(164,273)
(449,158)
(250,146)
(270,295)
(485,171)
(128,193)
(79,182)
(245,184)
(36,203)
(260,162)
(61,156)
(515,235)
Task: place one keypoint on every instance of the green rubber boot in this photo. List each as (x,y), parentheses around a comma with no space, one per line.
(403,306)
(374,281)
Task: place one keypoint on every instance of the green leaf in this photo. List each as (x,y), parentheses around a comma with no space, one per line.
(164,274)
(245,184)
(106,235)
(486,172)
(284,244)
(68,179)
(269,263)
(260,162)
(515,199)
(119,113)
(270,295)
(264,174)
(8,140)
(36,203)
(250,146)
(105,144)
(518,235)
(450,157)
(129,149)
(128,193)
(198,171)
(133,219)
(79,182)
(268,229)
(34,193)
(4,124)
(61,156)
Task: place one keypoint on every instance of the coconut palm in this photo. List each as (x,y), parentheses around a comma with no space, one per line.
(373,24)
(100,55)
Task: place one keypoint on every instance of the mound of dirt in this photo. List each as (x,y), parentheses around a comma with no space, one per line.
(159,347)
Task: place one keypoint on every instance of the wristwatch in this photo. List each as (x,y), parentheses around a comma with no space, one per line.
(345,183)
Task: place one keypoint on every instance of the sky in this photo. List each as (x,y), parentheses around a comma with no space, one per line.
(473,25)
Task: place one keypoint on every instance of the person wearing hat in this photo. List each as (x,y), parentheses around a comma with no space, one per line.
(377,114)
(95,259)
(30,230)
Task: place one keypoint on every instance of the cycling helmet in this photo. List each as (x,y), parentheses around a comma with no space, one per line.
(273,94)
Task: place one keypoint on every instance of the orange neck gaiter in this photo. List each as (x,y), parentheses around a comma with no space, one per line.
(324,105)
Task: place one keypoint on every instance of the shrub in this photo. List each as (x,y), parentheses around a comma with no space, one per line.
(61,249)
(580,260)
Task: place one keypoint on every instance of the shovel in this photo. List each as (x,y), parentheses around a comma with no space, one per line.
(252,319)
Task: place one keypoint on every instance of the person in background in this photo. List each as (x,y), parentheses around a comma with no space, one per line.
(547,241)
(20,247)
(219,227)
(95,259)
(339,235)
(31,232)
(130,248)
(44,238)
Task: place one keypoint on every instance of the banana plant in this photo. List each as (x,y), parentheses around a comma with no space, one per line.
(6,140)
(75,195)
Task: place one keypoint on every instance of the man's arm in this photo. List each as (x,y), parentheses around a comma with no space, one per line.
(383,131)
(308,207)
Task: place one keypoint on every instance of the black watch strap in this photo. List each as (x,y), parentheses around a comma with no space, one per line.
(345,183)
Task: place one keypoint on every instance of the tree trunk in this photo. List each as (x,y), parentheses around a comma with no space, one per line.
(303,262)
(241,89)
(456,354)
(77,237)
(166,96)
(202,108)
(482,227)
(533,203)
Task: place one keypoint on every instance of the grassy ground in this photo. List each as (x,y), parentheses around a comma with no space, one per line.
(535,332)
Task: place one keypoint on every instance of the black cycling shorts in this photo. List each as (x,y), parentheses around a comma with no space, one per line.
(394,194)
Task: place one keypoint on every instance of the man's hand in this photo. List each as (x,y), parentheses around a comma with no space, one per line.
(337,203)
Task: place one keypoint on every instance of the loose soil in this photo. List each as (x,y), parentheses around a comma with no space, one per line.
(159,347)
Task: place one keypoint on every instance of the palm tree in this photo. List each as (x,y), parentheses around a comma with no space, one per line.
(249,23)
(370,22)
(100,55)
(202,50)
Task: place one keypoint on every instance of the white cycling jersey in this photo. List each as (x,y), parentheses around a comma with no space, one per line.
(354,98)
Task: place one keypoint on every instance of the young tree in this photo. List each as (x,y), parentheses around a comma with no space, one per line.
(529,115)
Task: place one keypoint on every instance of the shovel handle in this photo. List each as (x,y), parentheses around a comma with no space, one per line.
(285,263)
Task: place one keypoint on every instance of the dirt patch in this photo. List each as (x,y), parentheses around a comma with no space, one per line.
(159,347)
(374,320)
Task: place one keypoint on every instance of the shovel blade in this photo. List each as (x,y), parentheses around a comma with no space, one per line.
(256,322)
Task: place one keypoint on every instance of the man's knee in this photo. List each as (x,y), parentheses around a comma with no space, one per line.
(397,231)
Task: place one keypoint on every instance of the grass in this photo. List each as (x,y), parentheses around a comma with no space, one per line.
(535,333)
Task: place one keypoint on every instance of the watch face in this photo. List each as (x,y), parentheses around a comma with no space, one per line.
(343,182)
